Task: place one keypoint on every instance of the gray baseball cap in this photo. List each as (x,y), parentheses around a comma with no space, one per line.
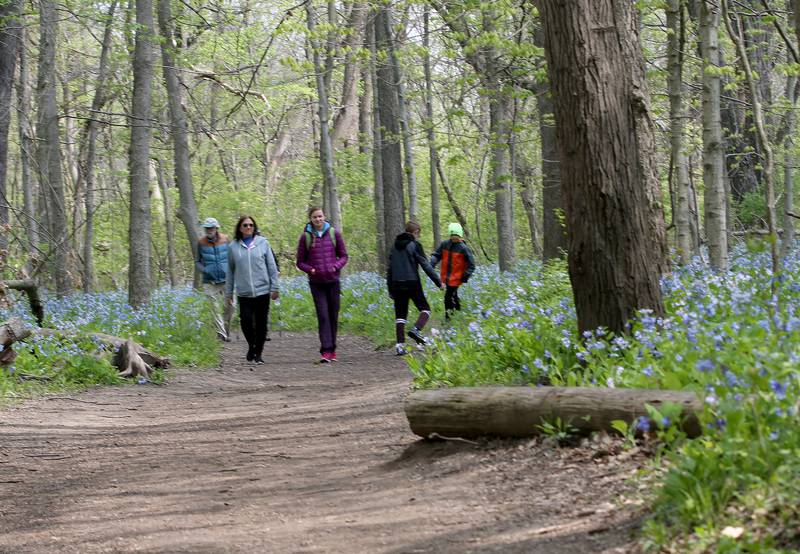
(210,222)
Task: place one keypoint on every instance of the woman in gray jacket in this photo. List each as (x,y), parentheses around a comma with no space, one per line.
(254,276)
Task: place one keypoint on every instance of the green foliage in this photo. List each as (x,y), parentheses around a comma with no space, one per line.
(562,431)
(750,210)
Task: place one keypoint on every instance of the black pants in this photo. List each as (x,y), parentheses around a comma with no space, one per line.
(403,294)
(451,301)
(253,314)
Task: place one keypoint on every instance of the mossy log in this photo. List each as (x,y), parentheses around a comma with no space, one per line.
(520,411)
(115,344)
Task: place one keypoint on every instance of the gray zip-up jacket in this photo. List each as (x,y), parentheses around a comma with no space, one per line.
(251,271)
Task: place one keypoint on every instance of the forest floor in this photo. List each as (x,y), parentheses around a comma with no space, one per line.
(292,456)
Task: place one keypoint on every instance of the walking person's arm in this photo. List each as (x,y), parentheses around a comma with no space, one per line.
(470,264)
(421,259)
(231,276)
(341,251)
(272,271)
(301,257)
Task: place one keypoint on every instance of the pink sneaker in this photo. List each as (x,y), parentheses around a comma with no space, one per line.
(325,358)
(332,357)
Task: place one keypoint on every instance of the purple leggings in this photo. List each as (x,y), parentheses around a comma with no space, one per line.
(326,301)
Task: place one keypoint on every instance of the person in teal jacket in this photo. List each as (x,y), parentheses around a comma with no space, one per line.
(253,276)
(211,261)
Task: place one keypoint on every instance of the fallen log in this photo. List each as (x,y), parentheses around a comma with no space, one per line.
(29,287)
(114,344)
(520,411)
(11,331)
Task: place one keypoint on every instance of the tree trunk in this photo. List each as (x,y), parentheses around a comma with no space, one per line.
(88,148)
(521,411)
(10,30)
(680,166)
(500,131)
(140,227)
(172,261)
(391,167)
(330,194)
(787,240)
(433,155)
(345,124)
(554,233)
(30,216)
(187,210)
(48,152)
(377,149)
(405,124)
(737,37)
(615,226)
(713,152)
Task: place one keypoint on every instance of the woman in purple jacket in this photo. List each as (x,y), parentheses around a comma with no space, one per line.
(321,254)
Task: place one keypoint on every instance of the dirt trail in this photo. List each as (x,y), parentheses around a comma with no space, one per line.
(290,456)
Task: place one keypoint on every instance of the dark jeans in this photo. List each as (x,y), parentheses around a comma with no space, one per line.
(451,301)
(403,295)
(253,314)
(326,301)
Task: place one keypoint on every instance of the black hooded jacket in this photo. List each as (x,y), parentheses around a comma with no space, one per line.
(404,261)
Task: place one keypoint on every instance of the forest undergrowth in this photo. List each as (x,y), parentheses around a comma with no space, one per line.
(726,336)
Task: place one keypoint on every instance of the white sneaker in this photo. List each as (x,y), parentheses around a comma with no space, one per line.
(400,349)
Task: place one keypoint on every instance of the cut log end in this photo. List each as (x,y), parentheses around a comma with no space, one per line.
(131,363)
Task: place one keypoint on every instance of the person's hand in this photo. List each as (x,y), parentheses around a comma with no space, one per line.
(443,286)
(229,300)
(312,272)
(274,295)
(333,269)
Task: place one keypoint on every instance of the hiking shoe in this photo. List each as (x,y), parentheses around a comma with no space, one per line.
(416,334)
(400,349)
(223,336)
(258,360)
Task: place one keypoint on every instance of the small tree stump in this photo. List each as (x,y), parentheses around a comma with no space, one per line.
(519,411)
(131,363)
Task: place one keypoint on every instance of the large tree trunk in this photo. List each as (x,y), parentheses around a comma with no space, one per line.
(140,227)
(522,411)
(330,194)
(48,152)
(554,234)
(10,30)
(433,155)
(713,152)
(88,148)
(787,239)
(187,210)
(680,165)
(391,167)
(617,247)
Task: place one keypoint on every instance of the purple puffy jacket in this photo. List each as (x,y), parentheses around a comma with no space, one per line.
(321,255)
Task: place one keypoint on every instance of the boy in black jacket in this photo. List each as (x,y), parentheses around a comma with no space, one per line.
(402,278)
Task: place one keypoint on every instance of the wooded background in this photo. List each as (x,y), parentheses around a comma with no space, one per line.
(609,130)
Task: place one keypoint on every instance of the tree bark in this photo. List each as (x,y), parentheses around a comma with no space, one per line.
(345,123)
(405,124)
(737,37)
(713,152)
(172,261)
(329,185)
(140,226)
(521,411)
(10,30)
(615,226)
(554,233)
(48,152)
(187,209)
(32,291)
(27,148)
(680,165)
(87,151)
(391,167)
(377,149)
(433,155)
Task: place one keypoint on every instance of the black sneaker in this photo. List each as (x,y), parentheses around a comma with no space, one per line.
(251,355)
(415,334)
(258,360)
